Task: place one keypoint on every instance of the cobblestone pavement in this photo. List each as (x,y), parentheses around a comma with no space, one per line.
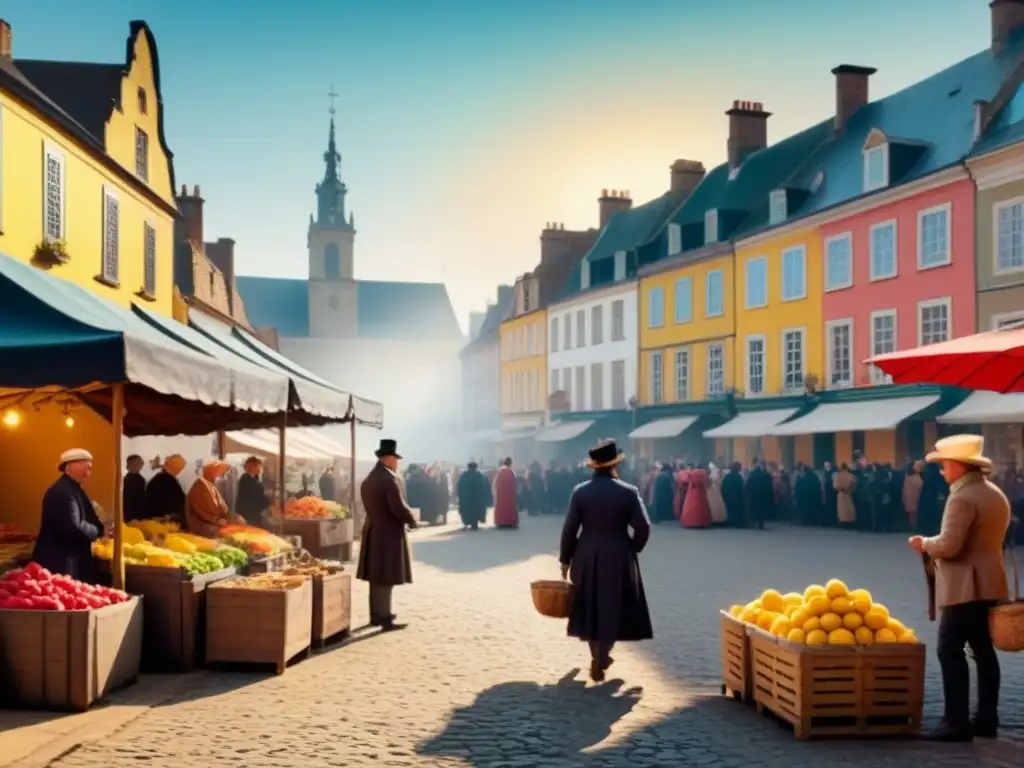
(479,679)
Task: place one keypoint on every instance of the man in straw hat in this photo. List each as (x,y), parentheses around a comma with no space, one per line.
(609,604)
(970,578)
(384,559)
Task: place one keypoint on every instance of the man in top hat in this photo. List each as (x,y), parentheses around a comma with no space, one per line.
(970,578)
(69,523)
(384,559)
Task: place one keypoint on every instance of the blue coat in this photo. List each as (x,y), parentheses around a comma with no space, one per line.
(67,530)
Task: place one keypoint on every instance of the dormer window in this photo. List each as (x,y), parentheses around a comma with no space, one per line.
(675,239)
(584,275)
(620,266)
(876,167)
(777,207)
(711,226)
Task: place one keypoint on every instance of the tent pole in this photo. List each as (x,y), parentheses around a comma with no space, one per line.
(222,440)
(280,469)
(117,422)
(352,470)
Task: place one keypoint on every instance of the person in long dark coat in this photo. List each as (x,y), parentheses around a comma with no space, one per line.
(384,559)
(664,495)
(69,523)
(251,500)
(828,474)
(328,485)
(760,495)
(133,489)
(734,496)
(474,495)
(609,604)
(164,495)
(808,496)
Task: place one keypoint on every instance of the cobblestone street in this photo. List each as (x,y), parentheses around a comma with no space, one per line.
(480,679)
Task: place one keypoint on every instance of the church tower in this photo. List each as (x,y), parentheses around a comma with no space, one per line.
(333,303)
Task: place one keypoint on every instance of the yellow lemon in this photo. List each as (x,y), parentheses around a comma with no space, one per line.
(840,637)
(885,636)
(799,617)
(853,621)
(876,619)
(796,635)
(835,588)
(816,637)
(861,604)
(896,626)
(841,605)
(811,624)
(818,605)
(735,611)
(780,627)
(791,609)
(908,637)
(793,598)
(754,605)
(765,619)
(748,617)
(771,600)
(860,594)
(811,591)
(830,621)
(878,607)
(864,636)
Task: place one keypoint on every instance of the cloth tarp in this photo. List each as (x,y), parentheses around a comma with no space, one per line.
(855,416)
(327,445)
(751,423)
(661,429)
(265,442)
(565,430)
(517,433)
(987,408)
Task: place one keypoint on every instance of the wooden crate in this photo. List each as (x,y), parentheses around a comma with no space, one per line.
(332,606)
(273,563)
(319,536)
(875,690)
(737,680)
(174,622)
(68,660)
(258,626)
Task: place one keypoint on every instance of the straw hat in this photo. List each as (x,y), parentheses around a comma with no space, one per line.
(604,455)
(73,455)
(965,449)
(214,468)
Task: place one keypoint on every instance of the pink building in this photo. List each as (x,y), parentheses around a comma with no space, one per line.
(898,272)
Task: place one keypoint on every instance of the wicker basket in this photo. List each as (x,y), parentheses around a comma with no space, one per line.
(552,598)
(1006,621)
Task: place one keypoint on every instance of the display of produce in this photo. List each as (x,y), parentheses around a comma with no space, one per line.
(254,541)
(195,543)
(231,557)
(148,554)
(307,565)
(263,581)
(824,615)
(153,528)
(33,588)
(314,508)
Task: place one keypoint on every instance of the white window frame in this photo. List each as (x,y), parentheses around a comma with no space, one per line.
(747,369)
(656,392)
(778,199)
(675,239)
(802,249)
(707,293)
(652,321)
(621,326)
(110,275)
(581,328)
(596,324)
(555,328)
(802,330)
(597,386)
(688,318)
(579,381)
(584,275)
(619,267)
(877,375)
(948,209)
(567,387)
(147,289)
(872,275)
(997,210)
(1004,319)
(944,301)
(554,377)
(829,286)
(707,372)
(617,367)
(880,149)
(830,358)
(746,282)
(51,150)
(567,331)
(684,356)
(711,226)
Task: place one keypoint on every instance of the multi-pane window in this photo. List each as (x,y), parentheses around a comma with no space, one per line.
(793,359)
(777,207)
(757,283)
(567,328)
(794,273)
(581,328)
(755,365)
(876,172)
(1010,247)
(581,388)
(597,324)
(141,154)
(53,195)
(682,375)
(657,377)
(619,384)
(149,254)
(716,370)
(714,290)
(883,341)
(933,237)
(839,262)
(840,353)
(567,388)
(554,334)
(684,300)
(596,386)
(111,230)
(618,320)
(933,321)
(883,251)
(675,239)
(656,307)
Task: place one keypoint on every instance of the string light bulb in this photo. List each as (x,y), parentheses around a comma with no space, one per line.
(69,422)
(12,417)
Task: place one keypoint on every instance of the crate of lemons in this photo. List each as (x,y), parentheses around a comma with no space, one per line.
(824,615)
(162,544)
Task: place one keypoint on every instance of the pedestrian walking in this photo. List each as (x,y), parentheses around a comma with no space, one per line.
(384,559)
(474,496)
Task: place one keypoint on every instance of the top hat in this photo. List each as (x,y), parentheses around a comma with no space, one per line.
(605,454)
(965,449)
(388,448)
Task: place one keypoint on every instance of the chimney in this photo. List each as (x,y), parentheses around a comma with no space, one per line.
(222,255)
(686,175)
(554,241)
(190,227)
(6,40)
(611,202)
(851,91)
(748,131)
(1007,18)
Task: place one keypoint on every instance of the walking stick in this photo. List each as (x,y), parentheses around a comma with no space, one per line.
(929,575)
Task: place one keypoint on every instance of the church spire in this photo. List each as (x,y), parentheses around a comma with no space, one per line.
(331,191)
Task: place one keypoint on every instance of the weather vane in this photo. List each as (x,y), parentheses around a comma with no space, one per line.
(332,96)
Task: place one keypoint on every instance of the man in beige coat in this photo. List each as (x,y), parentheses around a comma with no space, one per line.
(970,577)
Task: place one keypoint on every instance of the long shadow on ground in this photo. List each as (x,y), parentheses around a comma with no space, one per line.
(460,551)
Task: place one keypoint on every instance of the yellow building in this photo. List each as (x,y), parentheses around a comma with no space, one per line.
(87,192)
(524,370)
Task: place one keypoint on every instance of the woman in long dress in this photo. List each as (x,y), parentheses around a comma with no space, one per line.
(696,510)
(605,529)
(506,509)
(719,514)
(845,484)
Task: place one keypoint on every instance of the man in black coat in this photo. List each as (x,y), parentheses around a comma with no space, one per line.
(474,496)
(733,495)
(760,495)
(251,499)
(134,489)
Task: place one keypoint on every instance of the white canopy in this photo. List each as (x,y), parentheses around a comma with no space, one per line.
(987,408)
(660,429)
(564,430)
(265,442)
(855,416)
(751,423)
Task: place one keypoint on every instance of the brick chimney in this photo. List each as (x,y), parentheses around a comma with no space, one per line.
(222,255)
(748,131)
(851,91)
(190,226)
(611,202)
(1007,18)
(6,40)
(554,241)
(686,175)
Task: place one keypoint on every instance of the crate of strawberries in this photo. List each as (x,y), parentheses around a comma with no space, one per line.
(65,644)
